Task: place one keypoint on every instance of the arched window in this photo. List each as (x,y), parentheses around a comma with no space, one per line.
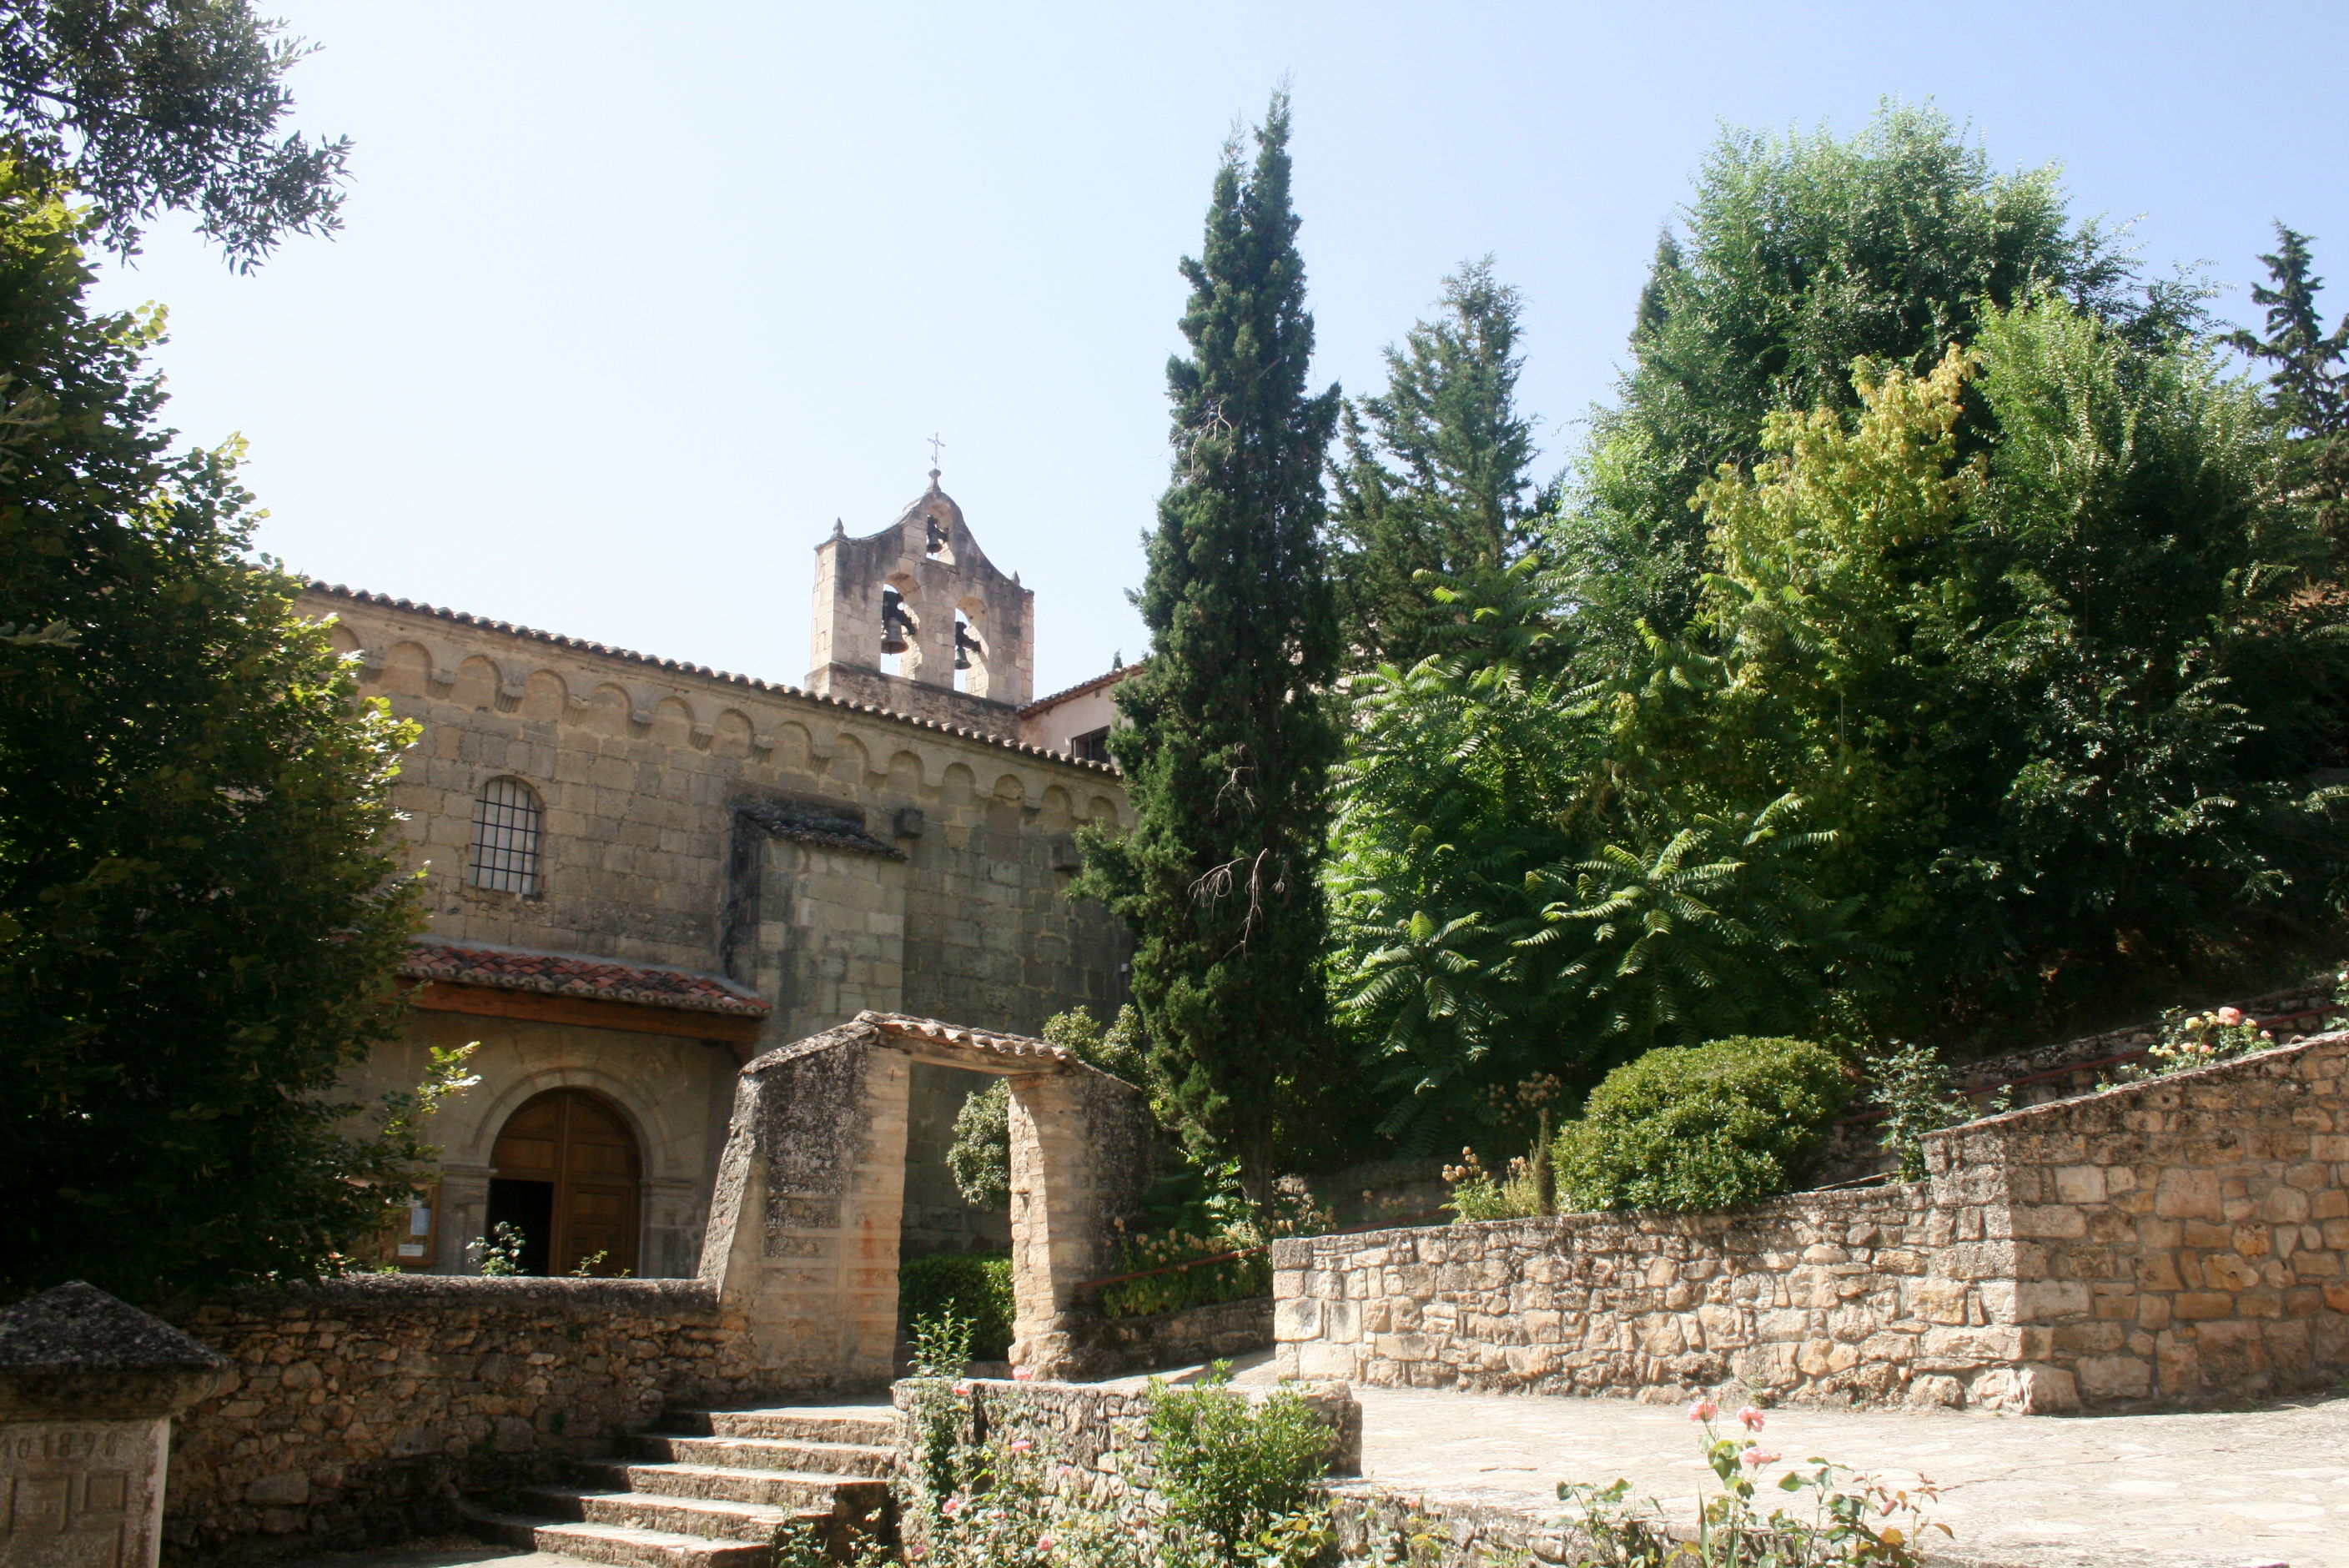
(506,827)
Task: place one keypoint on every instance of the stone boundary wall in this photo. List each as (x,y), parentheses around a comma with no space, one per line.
(1835,1297)
(2180,1241)
(1102,1431)
(2183,1241)
(1115,1347)
(357,1408)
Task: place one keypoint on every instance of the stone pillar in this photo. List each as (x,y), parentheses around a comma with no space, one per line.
(1079,1159)
(803,1237)
(88,1389)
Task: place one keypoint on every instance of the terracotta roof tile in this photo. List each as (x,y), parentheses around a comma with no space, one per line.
(570,974)
(931,1029)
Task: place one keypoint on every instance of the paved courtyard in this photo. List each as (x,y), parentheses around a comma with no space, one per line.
(2219,1490)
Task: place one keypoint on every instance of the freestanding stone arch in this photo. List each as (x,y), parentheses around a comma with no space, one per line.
(802,1239)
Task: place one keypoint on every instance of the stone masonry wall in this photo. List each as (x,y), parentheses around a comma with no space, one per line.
(1102,1431)
(2179,1242)
(1116,1346)
(1829,1297)
(359,1407)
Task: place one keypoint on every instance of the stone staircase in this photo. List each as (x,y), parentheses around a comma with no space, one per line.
(715,1489)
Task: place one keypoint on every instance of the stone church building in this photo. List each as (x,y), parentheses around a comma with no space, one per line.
(640,873)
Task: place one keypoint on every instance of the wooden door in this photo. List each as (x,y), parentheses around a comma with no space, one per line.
(578,1147)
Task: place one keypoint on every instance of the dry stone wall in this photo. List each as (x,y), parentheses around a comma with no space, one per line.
(2180,1241)
(356,1408)
(1115,1347)
(1102,1431)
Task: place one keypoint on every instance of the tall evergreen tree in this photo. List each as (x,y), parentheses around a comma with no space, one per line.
(2308,384)
(1228,744)
(1434,474)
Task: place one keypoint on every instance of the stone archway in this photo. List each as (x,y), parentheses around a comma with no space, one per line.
(804,1226)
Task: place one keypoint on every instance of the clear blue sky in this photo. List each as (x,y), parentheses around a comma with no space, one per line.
(634,300)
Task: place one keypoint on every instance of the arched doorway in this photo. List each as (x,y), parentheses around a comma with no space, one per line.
(566,1171)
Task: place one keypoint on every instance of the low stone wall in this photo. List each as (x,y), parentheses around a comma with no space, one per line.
(2181,1242)
(357,1408)
(1831,1298)
(1102,1431)
(1116,1346)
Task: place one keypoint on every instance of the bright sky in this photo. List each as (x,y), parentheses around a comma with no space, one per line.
(634,300)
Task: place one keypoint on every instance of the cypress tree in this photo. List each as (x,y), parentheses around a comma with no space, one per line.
(1433,477)
(1228,744)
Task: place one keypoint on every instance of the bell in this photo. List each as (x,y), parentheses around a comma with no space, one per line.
(965,646)
(893,622)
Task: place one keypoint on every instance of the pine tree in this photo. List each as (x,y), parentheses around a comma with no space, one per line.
(1228,743)
(1433,477)
(2309,386)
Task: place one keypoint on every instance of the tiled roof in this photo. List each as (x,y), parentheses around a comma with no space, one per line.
(581,645)
(930,1029)
(569,974)
(1080,689)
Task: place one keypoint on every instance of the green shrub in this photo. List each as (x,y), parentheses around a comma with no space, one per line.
(1702,1128)
(1230,1468)
(974,1286)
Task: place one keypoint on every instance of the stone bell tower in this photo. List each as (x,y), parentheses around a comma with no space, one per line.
(915,618)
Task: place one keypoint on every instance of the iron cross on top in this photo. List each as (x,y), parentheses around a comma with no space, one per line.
(935,445)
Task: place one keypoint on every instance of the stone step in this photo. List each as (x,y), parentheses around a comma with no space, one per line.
(621,1544)
(870,1460)
(848,1496)
(813,1423)
(714,1519)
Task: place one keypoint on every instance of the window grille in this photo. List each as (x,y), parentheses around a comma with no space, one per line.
(506,827)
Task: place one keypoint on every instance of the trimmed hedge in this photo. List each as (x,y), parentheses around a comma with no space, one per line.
(1702,1128)
(977,1286)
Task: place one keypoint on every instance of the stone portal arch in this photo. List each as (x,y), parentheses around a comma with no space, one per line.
(804,1226)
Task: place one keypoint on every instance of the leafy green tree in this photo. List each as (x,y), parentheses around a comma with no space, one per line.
(1801,255)
(1434,476)
(155,105)
(2308,382)
(1228,745)
(200,916)
(2061,698)
(1512,897)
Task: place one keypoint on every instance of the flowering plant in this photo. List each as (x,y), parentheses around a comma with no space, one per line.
(1870,1526)
(2198,1040)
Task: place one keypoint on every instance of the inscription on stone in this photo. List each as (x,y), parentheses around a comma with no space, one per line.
(75,1495)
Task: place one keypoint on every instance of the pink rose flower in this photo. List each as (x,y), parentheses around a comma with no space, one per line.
(1021,1374)
(1044,1543)
(2230,1017)
(1021,1445)
(1751,1418)
(962,1390)
(1757,1458)
(1704,1410)
(951,1507)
